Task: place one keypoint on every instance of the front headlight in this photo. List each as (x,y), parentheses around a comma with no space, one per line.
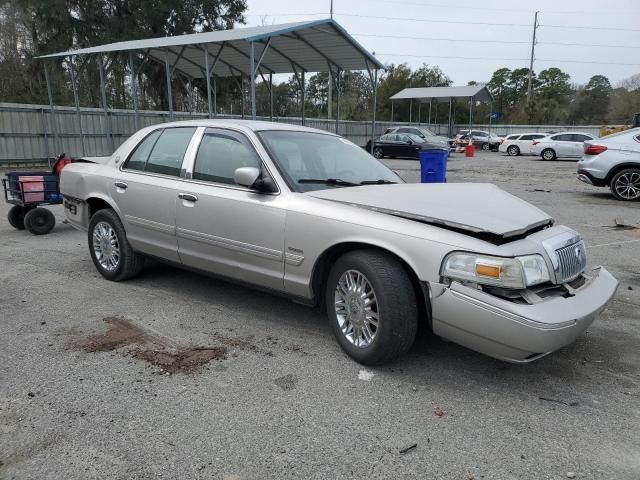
(518,272)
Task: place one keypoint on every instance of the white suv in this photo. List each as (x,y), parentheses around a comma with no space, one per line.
(613,161)
(562,144)
(519,143)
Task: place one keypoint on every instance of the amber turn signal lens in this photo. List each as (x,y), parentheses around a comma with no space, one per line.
(492,271)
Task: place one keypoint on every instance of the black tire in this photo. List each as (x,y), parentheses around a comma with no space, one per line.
(548,154)
(16,216)
(39,221)
(513,150)
(395,306)
(378,152)
(130,263)
(625,185)
(486,147)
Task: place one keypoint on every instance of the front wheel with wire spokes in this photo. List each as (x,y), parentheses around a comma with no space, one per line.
(372,307)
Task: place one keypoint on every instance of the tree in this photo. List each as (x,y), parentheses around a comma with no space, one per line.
(592,103)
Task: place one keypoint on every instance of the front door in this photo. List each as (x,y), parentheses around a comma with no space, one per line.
(144,190)
(225,228)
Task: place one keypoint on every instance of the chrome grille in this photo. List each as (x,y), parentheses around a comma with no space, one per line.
(572,260)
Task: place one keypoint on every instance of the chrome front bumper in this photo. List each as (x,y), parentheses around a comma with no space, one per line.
(515,332)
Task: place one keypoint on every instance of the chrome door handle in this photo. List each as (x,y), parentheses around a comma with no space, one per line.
(188,197)
(121,185)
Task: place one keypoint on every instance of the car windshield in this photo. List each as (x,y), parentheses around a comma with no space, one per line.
(315,161)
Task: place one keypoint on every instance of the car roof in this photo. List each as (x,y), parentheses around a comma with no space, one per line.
(564,133)
(247,125)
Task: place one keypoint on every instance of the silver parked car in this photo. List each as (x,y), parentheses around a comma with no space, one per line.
(561,145)
(613,161)
(310,215)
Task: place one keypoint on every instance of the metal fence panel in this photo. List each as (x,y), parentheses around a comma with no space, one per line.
(31,133)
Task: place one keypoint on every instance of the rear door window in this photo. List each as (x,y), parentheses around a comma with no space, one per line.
(529,137)
(565,137)
(162,151)
(578,137)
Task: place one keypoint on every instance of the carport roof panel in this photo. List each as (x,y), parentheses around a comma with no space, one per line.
(310,46)
(477,92)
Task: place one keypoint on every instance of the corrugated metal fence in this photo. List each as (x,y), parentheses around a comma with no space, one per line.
(32,133)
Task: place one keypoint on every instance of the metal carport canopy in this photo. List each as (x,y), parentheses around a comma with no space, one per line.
(478,93)
(313,46)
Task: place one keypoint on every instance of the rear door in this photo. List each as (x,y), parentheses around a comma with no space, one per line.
(145,190)
(225,228)
(563,144)
(578,144)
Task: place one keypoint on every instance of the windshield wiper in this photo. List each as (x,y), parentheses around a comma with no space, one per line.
(377,182)
(328,181)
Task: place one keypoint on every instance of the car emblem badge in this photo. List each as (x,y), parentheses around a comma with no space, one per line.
(578,252)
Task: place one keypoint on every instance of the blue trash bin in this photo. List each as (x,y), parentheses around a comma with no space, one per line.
(433,165)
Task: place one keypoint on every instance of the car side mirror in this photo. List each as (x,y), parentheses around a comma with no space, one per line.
(246,176)
(252,178)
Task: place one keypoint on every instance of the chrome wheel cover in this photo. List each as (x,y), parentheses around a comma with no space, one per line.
(105,246)
(356,308)
(377,152)
(547,155)
(512,150)
(628,185)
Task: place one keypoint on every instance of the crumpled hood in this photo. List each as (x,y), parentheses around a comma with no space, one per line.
(476,207)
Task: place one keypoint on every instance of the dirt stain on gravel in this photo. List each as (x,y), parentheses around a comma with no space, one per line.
(120,332)
(158,351)
(181,361)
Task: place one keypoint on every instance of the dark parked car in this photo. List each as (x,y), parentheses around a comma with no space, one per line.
(397,145)
(424,136)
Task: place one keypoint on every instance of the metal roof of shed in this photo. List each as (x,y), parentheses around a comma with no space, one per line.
(309,46)
(477,92)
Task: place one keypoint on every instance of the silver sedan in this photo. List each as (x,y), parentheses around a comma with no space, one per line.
(310,215)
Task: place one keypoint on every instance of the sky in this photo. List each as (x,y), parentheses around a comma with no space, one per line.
(482,36)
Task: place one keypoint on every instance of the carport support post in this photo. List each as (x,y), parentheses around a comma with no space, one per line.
(470,114)
(105,107)
(338,101)
(134,89)
(271,96)
(419,111)
(302,94)
(53,113)
(167,71)
(215,97)
(207,77)
(449,126)
(391,111)
(252,72)
(375,106)
(430,103)
(410,109)
(74,85)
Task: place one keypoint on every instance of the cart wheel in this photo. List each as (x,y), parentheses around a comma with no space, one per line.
(39,221)
(16,216)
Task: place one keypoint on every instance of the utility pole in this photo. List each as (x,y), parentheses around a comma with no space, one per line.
(329,100)
(533,48)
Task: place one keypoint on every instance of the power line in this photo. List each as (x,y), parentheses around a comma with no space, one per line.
(506,59)
(426,20)
(449,56)
(475,40)
(464,7)
(437,39)
(584,27)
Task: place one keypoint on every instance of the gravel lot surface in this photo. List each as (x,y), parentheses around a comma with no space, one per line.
(176,375)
